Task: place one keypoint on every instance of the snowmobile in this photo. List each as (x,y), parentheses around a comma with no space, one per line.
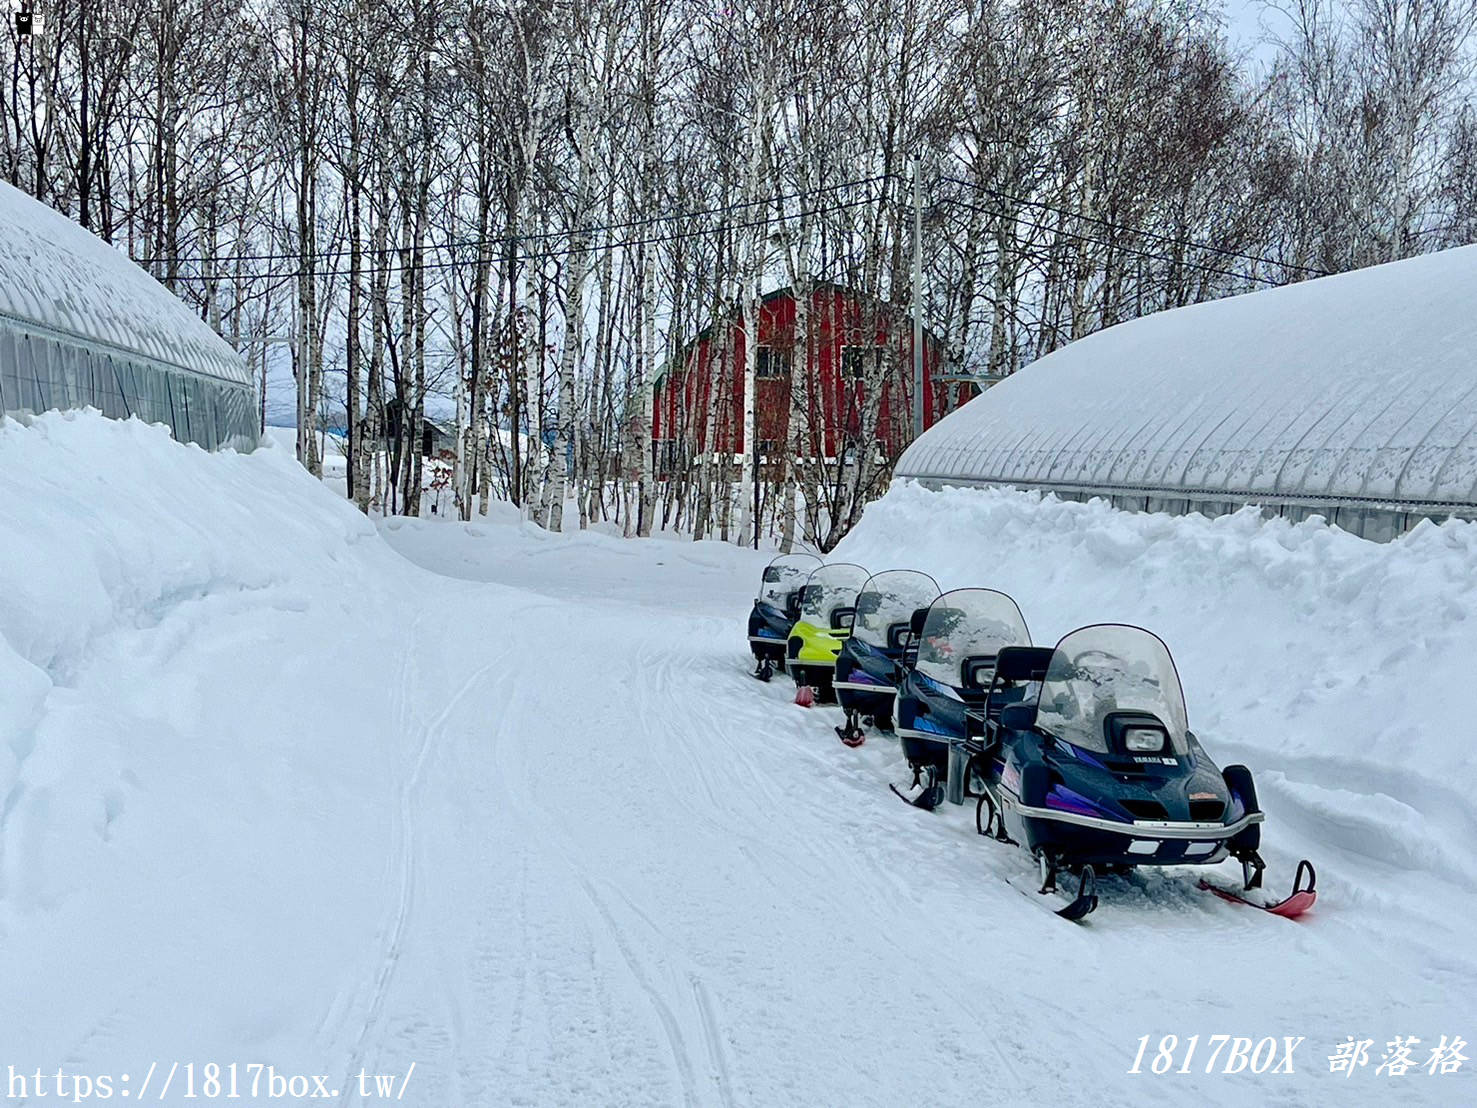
(958,639)
(1100,770)
(776,609)
(874,656)
(827,608)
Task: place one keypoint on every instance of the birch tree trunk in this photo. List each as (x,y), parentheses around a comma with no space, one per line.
(652,21)
(645,386)
(574,323)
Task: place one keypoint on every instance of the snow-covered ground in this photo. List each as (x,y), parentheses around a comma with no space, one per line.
(281,785)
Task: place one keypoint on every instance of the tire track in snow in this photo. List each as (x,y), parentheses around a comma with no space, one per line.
(682,1005)
(405,852)
(529,824)
(640,972)
(395,865)
(525,997)
(713,1034)
(404,863)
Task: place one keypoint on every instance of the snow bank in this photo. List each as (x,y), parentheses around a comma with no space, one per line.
(1337,668)
(160,769)
(127,545)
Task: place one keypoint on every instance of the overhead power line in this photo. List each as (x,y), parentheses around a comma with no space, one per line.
(1119,246)
(544,255)
(1130,230)
(396,260)
(538,236)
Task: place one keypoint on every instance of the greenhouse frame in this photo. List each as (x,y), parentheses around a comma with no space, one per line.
(1352,397)
(81,325)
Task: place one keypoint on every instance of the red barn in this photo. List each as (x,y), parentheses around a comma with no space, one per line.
(853,339)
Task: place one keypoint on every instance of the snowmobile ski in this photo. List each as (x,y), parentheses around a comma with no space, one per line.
(927,800)
(1084,902)
(850,732)
(930,790)
(1077,908)
(1291,906)
(1086,899)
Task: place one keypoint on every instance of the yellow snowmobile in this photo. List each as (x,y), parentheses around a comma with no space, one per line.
(827,610)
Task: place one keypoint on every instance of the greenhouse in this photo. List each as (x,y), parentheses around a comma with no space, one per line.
(83,326)
(1352,397)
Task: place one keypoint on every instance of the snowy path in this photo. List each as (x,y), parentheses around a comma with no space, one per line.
(845,935)
(664,913)
(535,831)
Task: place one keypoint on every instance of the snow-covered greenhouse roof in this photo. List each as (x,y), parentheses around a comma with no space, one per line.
(59,278)
(1358,389)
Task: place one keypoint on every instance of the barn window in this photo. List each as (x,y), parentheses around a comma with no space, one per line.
(767,448)
(772,363)
(859,362)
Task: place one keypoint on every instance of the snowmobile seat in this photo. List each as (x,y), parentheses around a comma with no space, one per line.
(977,672)
(1023,663)
(1001,698)
(909,655)
(792,604)
(1018,717)
(898,635)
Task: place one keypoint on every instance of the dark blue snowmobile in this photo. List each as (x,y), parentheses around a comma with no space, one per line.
(959,638)
(776,609)
(1099,769)
(879,649)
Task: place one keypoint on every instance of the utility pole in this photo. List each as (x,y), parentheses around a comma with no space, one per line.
(238,340)
(917,302)
(304,417)
(755,506)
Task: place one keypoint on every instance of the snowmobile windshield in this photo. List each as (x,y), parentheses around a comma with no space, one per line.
(886,604)
(784,575)
(830,587)
(1106,668)
(964,630)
